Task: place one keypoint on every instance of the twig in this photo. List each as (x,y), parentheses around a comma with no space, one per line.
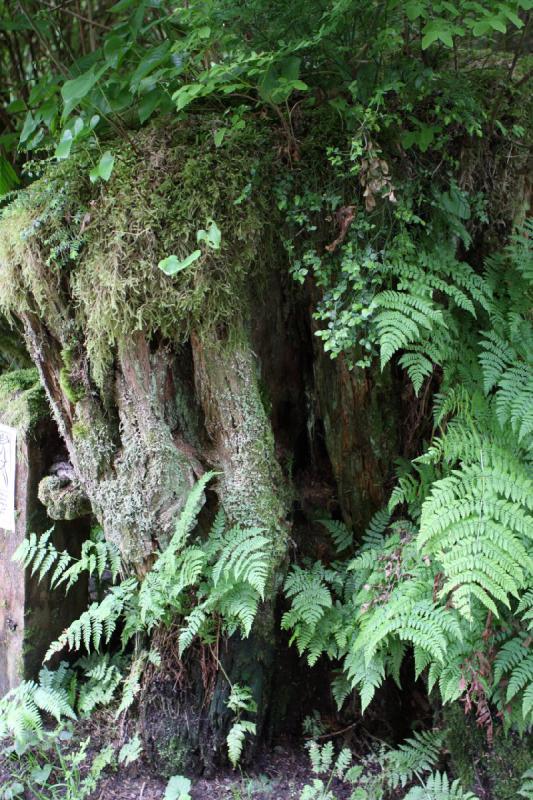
(335,733)
(76,14)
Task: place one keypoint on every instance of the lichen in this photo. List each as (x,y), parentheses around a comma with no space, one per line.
(252,488)
(63,501)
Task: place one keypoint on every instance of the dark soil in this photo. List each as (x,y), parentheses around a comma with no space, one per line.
(277,775)
(280,775)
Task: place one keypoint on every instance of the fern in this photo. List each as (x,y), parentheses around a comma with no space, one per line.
(22,710)
(341,535)
(103,674)
(476,523)
(507,371)
(310,600)
(526,787)
(236,738)
(513,668)
(97,623)
(439,787)
(240,700)
(402,321)
(40,553)
(243,557)
(411,759)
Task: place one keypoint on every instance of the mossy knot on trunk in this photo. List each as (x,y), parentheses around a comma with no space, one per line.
(84,257)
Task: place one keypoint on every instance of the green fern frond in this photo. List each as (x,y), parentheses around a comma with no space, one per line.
(439,787)
(244,557)
(236,738)
(340,533)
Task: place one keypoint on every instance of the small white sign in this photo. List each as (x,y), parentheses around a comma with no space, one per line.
(8,461)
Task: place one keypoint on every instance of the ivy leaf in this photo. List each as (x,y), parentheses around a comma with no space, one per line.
(219,136)
(104,168)
(178,788)
(171,265)
(41,775)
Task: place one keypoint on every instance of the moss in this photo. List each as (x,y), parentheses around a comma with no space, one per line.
(494,769)
(22,399)
(97,247)
(63,502)
(80,430)
(66,379)
(173,755)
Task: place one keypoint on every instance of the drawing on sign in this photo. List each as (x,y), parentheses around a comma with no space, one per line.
(4,459)
(8,439)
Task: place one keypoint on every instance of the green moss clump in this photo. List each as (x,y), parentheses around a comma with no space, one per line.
(22,399)
(80,430)
(173,755)
(85,256)
(497,768)
(66,379)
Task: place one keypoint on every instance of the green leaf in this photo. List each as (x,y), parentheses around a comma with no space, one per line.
(13,791)
(151,60)
(498,24)
(219,136)
(115,48)
(481,28)
(122,5)
(8,176)
(16,107)
(148,104)
(414,10)
(178,788)
(186,94)
(172,264)
(30,124)
(212,236)
(41,774)
(512,17)
(76,89)
(104,168)
(65,144)
(437,30)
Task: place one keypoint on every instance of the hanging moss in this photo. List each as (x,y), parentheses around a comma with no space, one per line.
(94,249)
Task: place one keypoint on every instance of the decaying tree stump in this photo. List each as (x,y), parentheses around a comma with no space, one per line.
(153,380)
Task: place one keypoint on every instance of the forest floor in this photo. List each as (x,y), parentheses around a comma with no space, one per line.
(280,775)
